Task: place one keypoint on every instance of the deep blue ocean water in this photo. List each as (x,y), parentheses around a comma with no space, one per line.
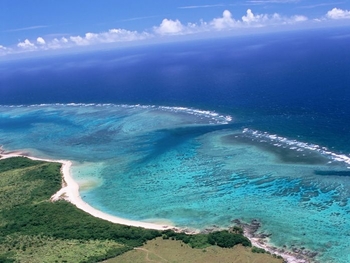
(199,133)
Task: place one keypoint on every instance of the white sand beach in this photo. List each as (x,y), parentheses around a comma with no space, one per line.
(70,193)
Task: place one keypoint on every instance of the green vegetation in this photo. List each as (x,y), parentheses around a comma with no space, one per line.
(17,163)
(33,229)
(227,239)
(223,238)
(48,249)
(258,250)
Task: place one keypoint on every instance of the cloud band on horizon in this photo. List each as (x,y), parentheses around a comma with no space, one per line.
(170,27)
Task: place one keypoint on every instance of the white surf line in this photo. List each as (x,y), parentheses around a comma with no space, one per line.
(298,146)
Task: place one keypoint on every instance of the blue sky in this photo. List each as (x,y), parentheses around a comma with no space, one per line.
(41,25)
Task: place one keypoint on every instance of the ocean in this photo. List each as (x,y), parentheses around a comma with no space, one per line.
(199,133)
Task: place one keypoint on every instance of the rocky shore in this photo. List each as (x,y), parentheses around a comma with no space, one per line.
(290,255)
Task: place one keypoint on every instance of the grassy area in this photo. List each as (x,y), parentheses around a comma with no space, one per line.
(33,229)
(172,251)
(48,249)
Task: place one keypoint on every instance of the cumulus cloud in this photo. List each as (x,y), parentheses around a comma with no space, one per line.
(111,36)
(265,19)
(250,18)
(169,26)
(79,40)
(40,41)
(225,21)
(337,13)
(26,44)
(57,43)
(254,20)
(119,35)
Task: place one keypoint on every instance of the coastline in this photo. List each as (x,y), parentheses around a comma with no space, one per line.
(260,240)
(70,193)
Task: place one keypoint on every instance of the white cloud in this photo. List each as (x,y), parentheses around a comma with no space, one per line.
(26,44)
(79,40)
(111,36)
(337,13)
(58,43)
(250,18)
(169,26)
(120,35)
(298,18)
(40,41)
(3,50)
(226,21)
(254,20)
(275,19)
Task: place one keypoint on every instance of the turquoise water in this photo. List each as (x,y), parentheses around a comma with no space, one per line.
(195,168)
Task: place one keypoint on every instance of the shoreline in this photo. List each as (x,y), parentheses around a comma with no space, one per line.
(70,193)
(260,240)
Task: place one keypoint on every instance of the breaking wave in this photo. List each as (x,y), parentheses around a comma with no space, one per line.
(211,116)
(283,142)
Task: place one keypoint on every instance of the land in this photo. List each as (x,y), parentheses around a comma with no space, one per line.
(36,229)
(166,251)
(70,192)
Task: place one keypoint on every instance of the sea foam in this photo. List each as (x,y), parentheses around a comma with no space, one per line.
(299,146)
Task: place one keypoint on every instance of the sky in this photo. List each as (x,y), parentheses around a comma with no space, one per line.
(43,25)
